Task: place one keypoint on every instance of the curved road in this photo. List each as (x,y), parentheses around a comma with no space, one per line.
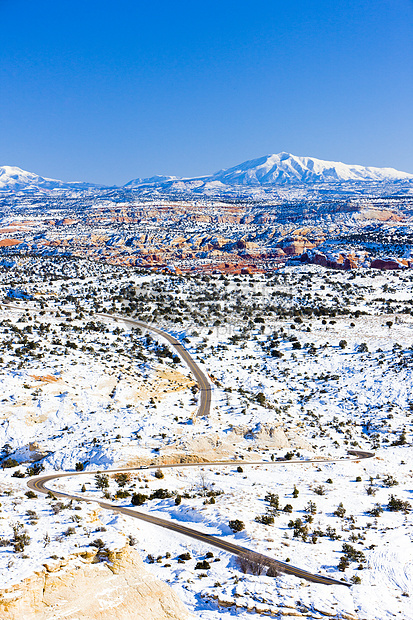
(39,483)
(200,377)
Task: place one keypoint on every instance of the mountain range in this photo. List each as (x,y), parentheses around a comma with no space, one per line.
(271,172)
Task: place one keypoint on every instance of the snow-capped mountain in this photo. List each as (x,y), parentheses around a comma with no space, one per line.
(15,179)
(158,178)
(280,173)
(284,168)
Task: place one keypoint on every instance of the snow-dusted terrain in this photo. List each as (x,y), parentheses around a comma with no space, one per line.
(303,362)
(276,170)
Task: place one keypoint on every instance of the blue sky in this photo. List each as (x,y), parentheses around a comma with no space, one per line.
(106,92)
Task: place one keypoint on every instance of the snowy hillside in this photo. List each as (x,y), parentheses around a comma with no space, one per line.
(13,178)
(282,171)
(268,173)
(284,168)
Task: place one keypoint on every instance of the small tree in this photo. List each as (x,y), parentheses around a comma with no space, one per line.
(251,563)
(261,398)
(102,481)
(311,508)
(340,511)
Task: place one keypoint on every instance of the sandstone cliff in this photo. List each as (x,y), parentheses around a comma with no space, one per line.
(93,587)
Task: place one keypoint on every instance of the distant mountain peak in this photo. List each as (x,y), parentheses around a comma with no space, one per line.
(285,168)
(275,172)
(13,178)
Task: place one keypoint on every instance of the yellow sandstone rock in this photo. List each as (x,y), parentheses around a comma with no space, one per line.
(116,588)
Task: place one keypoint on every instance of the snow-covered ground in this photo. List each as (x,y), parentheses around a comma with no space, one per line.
(306,363)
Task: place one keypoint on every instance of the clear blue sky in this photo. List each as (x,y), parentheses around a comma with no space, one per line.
(108,91)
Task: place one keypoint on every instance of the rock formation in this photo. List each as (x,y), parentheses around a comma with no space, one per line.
(115,586)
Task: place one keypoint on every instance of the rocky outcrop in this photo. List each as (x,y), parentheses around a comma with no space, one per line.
(292,246)
(339,260)
(93,587)
(389,263)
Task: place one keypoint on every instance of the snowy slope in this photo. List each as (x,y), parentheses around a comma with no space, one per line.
(275,172)
(268,172)
(284,168)
(13,178)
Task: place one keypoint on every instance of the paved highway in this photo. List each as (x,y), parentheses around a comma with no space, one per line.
(39,483)
(200,377)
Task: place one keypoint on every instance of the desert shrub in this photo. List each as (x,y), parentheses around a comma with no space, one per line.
(332,533)
(311,508)
(236,525)
(18,474)
(7,463)
(343,564)
(202,565)
(251,563)
(20,537)
(138,499)
(375,511)
(396,505)
(265,519)
(161,494)
(300,529)
(354,555)
(5,542)
(159,474)
(57,507)
(288,508)
(273,500)
(340,511)
(319,490)
(35,469)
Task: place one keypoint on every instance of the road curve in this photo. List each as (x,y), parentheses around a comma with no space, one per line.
(39,483)
(200,377)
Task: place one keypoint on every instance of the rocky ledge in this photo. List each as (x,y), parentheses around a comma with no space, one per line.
(92,586)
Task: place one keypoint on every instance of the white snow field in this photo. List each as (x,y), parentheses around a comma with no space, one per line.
(305,363)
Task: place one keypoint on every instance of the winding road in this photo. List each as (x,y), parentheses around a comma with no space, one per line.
(39,483)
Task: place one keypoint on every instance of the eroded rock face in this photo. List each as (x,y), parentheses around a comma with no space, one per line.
(92,588)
